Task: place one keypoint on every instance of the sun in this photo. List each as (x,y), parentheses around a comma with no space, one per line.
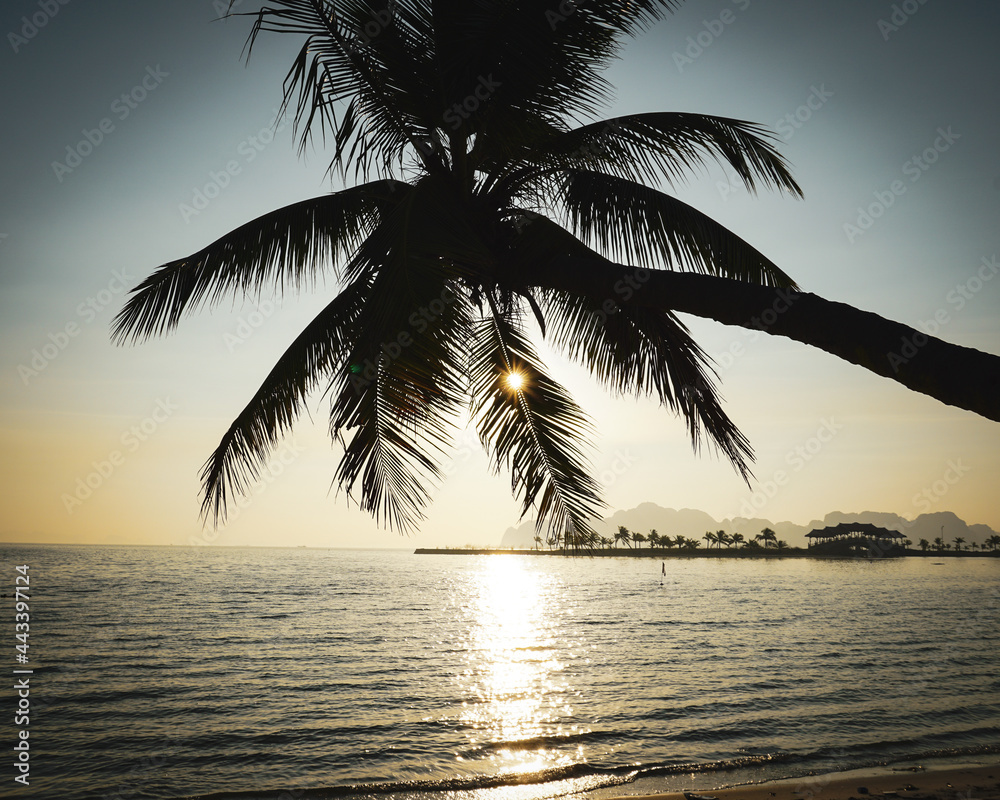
(515,381)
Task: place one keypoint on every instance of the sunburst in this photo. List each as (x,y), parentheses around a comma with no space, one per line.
(515,381)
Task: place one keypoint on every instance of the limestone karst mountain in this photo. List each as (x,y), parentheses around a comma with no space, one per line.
(693,523)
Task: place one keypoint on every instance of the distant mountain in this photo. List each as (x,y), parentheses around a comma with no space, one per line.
(693,523)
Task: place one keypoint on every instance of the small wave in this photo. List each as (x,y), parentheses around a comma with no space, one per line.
(536,742)
(596,777)
(608,777)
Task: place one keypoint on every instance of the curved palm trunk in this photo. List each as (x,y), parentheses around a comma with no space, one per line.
(955,375)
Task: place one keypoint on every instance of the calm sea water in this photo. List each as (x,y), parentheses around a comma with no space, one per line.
(213,672)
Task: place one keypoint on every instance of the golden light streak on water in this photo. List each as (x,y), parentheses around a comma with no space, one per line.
(512,669)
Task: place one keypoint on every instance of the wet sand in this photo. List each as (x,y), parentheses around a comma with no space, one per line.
(962,783)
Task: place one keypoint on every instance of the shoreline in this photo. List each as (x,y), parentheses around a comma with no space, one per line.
(967,782)
(666,554)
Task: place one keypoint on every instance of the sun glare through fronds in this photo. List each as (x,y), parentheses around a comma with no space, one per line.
(515,381)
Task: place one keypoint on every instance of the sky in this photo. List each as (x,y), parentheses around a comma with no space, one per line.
(137,134)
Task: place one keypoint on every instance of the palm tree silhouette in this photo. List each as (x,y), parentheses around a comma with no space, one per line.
(959,541)
(623,535)
(923,544)
(767,535)
(491,198)
(738,540)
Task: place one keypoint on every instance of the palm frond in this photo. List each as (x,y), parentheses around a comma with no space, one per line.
(547,61)
(663,145)
(631,222)
(635,350)
(377,55)
(535,432)
(403,390)
(402,66)
(289,246)
(631,349)
(320,349)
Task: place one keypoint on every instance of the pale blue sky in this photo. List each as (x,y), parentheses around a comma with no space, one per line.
(863,101)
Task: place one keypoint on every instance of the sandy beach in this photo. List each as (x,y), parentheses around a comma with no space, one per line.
(964,783)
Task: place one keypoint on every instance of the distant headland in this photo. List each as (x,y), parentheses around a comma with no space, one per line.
(939,530)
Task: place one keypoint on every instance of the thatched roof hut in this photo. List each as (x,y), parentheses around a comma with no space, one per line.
(864,531)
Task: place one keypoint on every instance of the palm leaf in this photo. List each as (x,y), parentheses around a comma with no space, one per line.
(640,351)
(547,61)
(410,346)
(631,349)
(288,246)
(320,349)
(535,432)
(341,60)
(664,145)
(634,223)
(404,390)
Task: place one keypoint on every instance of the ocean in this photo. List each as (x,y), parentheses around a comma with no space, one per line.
(177,672)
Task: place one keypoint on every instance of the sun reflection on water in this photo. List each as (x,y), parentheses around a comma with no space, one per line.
(517,696)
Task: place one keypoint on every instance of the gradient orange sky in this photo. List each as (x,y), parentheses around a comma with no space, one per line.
(136,135)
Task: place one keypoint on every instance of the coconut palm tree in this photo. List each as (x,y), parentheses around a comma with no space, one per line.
(994,542)
(959,541)
(554,539)
(939,544)
(767,535)
(638,538)
(623,535)
(923,544)
(738,540)
(654,538)
(491,202)
(723,538)
(710,538)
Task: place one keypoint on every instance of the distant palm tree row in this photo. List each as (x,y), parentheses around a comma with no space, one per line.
(940,545)
(766,539)
(634,539)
